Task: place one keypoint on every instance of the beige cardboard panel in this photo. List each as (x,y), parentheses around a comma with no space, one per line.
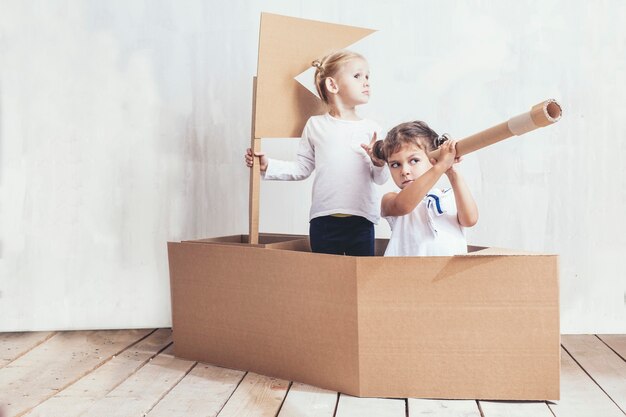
(499,251)
(300,245)
(459,327)
(266,240)
(482,327)
(231,239)
(286,314)
(287,46)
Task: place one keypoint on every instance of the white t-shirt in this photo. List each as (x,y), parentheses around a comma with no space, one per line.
(345,178)
(431,229)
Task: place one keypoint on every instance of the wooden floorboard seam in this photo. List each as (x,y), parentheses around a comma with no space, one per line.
(80,375)
(141,365)
(480,409)
(147,361)
(141,339)
(284,398)
(231,394)
(150,406)
(609,346)
(593,379)
(88,372)
(170,389)
(28,350)
(336,404)
(108,360)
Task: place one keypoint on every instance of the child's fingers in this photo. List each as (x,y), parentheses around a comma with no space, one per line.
(373,141)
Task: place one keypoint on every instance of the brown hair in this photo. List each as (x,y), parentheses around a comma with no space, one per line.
(416,133)
(328,67)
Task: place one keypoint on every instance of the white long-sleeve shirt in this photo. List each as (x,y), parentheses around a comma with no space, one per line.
(345,178)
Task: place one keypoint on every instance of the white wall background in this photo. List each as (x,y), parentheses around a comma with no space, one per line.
(123,125)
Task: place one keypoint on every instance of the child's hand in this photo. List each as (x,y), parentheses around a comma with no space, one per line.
(452,171)
(447,156)
(262,156)
(370,151)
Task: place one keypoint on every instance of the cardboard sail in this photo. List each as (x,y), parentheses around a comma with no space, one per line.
(287,46)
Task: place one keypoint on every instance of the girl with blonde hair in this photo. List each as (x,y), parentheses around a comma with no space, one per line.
(338,144)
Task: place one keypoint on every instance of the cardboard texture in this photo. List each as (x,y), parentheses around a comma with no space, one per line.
(479,326)
(255,179)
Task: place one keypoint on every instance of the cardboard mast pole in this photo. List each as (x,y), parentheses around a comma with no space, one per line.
(255,177)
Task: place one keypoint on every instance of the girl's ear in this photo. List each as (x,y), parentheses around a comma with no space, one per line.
(331,85)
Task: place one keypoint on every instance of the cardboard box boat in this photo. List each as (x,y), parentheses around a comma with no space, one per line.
(478,326)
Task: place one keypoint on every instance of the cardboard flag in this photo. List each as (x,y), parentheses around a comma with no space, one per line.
(287,47)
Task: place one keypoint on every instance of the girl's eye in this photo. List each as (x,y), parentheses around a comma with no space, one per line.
(394,165)
(357,75)
(414,161)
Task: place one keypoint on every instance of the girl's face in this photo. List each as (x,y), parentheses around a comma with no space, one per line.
(408,164)
(352,82)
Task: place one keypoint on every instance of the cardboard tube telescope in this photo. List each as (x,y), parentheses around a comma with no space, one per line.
(540,115)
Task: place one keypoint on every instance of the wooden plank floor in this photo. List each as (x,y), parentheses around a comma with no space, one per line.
(130,373)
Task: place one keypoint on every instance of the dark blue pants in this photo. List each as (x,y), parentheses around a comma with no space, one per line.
(352,235)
